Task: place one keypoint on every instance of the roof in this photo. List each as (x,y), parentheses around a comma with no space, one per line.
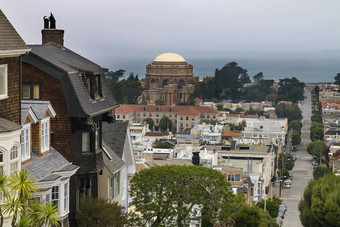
(126,108)
(235,134)
(198,100)
(326,102)
(143,165)
(9,37)
(39,109)
(332,132)
(190,111)
(169,57)
(8,126)
(42,167)
(187,137)
(164,133)
(66,66)
(114,135)
(111,159)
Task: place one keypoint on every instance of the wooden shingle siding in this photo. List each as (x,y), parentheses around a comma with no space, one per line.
(10,107)
(51,91)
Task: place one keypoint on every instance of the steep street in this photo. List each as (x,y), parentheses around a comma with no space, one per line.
(303,169)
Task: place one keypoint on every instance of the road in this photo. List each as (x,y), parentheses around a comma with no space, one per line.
(303,169)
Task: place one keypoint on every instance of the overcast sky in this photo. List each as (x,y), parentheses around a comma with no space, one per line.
(111,32)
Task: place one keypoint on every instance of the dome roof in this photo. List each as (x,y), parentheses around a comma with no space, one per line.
(169,57)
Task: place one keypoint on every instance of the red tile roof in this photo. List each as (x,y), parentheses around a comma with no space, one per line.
(198,100)
(125,108)
(235,134)
(326,102)
(190,111)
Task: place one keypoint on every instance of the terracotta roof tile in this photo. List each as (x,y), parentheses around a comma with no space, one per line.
(231,134)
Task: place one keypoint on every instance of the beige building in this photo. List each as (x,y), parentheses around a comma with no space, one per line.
(182,117)
(170,78)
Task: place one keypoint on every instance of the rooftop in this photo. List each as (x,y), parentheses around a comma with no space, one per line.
(169,57)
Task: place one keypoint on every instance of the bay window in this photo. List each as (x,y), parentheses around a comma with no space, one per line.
(85,142)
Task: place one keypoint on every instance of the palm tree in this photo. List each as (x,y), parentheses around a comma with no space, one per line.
(4,194)
(22,186)
(48,215)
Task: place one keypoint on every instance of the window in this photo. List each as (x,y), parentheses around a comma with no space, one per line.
(144,114)
(124,116)
(150,114)
(25,143)
(187,118)
(181,118)
(3,82)
(55,196)
(31,91)
(14,152)
(114,186)
(97,136)
(14,167)
(45,131)
(66,197)
(118,116)
(170,115)
(234,177)
(85,142)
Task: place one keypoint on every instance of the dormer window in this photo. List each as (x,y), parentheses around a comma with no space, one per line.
(3,82)
(93,85)
(45,135)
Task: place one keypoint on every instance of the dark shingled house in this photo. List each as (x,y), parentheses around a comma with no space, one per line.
(78,92)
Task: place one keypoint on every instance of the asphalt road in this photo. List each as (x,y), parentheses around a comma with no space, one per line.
(302,171)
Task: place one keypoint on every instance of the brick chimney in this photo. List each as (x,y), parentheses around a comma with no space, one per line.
(50,34)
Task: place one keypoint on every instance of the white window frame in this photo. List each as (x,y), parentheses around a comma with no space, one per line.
(66,197)
(26,142)
(56,200)
(114,185)
(4,74)
(45,134)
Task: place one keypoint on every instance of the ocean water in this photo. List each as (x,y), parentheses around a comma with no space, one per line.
(309,70)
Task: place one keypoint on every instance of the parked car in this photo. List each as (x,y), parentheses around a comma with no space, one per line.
(283,207)
(290,176)
(281,214)
(279,221)
(315,163)
(294,157)
(287,185)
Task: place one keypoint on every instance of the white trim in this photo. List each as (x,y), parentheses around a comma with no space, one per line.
(107,153)
(23,151)
(4,67)
(51,111)
(45,122)
(13,53)
(31,115)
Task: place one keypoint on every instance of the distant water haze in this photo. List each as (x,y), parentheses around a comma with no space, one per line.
(309,67)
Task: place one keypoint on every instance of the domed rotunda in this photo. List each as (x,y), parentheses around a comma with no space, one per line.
(170,78)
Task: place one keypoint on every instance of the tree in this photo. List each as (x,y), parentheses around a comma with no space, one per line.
(114,76)
(131,77)
(337,79)
(317,148)
(272,206)
(150,122)
(258,77)
(320,171)
(316,134)
(160,144)
(160,102)
(291,113)
(296,94)
(291,88)
(165,123)
(176,194)
(99,212)
(288,161)
(17,194)
(296,137)
(126,91)
(247,216)
(320,203)
(295,125)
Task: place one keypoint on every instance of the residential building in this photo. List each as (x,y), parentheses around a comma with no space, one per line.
(44,164)
(170,78)
(119,161)
(12,47)
(211,134)
(78,92)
